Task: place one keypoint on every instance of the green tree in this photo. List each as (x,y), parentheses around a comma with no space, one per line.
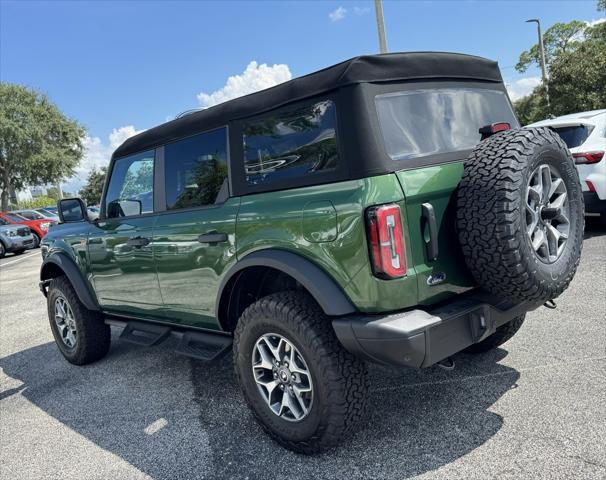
(38,143)
(557,39)
(602,5)
(91,192)
(577,72)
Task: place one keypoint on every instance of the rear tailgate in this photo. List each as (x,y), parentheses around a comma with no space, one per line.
(428,131)
(435,187)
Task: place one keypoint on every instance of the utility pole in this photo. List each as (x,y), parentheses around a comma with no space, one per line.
(541,56)
(59,191)
(381,26)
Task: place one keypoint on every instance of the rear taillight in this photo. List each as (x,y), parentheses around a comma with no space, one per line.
(587,157)
(590,186)
(386,241)
(488,130)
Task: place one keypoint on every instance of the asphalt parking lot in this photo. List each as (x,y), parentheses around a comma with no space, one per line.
(532,409)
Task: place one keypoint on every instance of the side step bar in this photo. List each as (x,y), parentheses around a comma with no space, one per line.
(203,346)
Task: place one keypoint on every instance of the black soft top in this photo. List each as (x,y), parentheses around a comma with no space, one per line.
(388,67)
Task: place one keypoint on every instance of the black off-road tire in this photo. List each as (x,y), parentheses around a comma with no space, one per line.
(93,335)
(498,338)
(491,215)
(339,379)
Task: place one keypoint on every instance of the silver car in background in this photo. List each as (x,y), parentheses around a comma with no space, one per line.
(14,238)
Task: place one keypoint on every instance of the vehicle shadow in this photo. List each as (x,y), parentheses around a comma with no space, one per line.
(594,227)
(418,420)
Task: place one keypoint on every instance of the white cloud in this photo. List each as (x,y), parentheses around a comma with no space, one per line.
(361,10)
(96,155)
(522,87)
(338,14)
(593,23)
(255,77)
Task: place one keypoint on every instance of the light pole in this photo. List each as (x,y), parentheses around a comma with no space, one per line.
(381,26)
(541,56)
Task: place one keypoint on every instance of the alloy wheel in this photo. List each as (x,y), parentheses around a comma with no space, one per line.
(66,323)
(547,213)
(282,377)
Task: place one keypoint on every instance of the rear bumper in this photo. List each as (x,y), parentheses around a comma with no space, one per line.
(593,204)
(420,338)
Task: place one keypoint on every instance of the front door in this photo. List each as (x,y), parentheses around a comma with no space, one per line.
(194,239)
(120,248)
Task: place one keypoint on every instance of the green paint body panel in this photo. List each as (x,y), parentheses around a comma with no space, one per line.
(175,278)
(435,185)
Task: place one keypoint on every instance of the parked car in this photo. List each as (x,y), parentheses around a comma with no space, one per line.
(35,215)
(47,214)
(387,209)
(585,135)
(51,208)
(39,228)
(14,238)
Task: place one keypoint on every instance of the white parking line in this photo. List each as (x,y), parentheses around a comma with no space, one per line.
(19,259)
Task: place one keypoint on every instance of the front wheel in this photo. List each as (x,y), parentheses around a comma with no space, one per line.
(303,387)
(36,243)
(80,334)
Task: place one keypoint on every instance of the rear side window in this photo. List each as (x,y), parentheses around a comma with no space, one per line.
(416,123)
(291,143)
(130,190)
(573,136)
(196,170)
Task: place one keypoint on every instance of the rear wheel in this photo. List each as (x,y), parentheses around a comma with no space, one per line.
(80,334)
(498,338)
(302,386)
(2,250)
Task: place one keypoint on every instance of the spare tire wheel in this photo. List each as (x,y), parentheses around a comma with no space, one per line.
(520,215)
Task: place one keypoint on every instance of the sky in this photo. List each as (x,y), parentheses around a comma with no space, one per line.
(120,67)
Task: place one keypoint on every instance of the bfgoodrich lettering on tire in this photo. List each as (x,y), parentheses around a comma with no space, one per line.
(304,388)
(520,215)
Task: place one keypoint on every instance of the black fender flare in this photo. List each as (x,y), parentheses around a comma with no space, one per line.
(318,283)
(75,277)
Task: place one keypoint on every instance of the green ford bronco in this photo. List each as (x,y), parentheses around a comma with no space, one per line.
(387,209)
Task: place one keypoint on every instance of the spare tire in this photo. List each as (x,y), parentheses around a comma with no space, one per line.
(520,215)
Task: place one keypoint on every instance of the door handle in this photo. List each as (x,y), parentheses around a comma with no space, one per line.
(213,237)
(428,216)
(137,242)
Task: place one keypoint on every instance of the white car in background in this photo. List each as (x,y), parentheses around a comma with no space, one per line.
(585,135)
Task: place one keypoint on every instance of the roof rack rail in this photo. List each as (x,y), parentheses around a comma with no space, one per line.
(188,112)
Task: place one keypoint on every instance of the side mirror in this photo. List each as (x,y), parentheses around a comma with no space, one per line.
(72,210)
(124,208)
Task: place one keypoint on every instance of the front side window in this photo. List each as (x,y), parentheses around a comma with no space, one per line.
(131,186)
(291,143)
(415,123)
(196,170)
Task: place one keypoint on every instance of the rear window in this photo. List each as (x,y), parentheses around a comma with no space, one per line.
(416,123)
(291,143)
(573,136)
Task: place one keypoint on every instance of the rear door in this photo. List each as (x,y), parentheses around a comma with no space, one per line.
(194,238)
(428,131)
(120,247)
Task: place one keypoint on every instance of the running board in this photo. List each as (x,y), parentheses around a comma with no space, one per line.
(203,346)
(144,334)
